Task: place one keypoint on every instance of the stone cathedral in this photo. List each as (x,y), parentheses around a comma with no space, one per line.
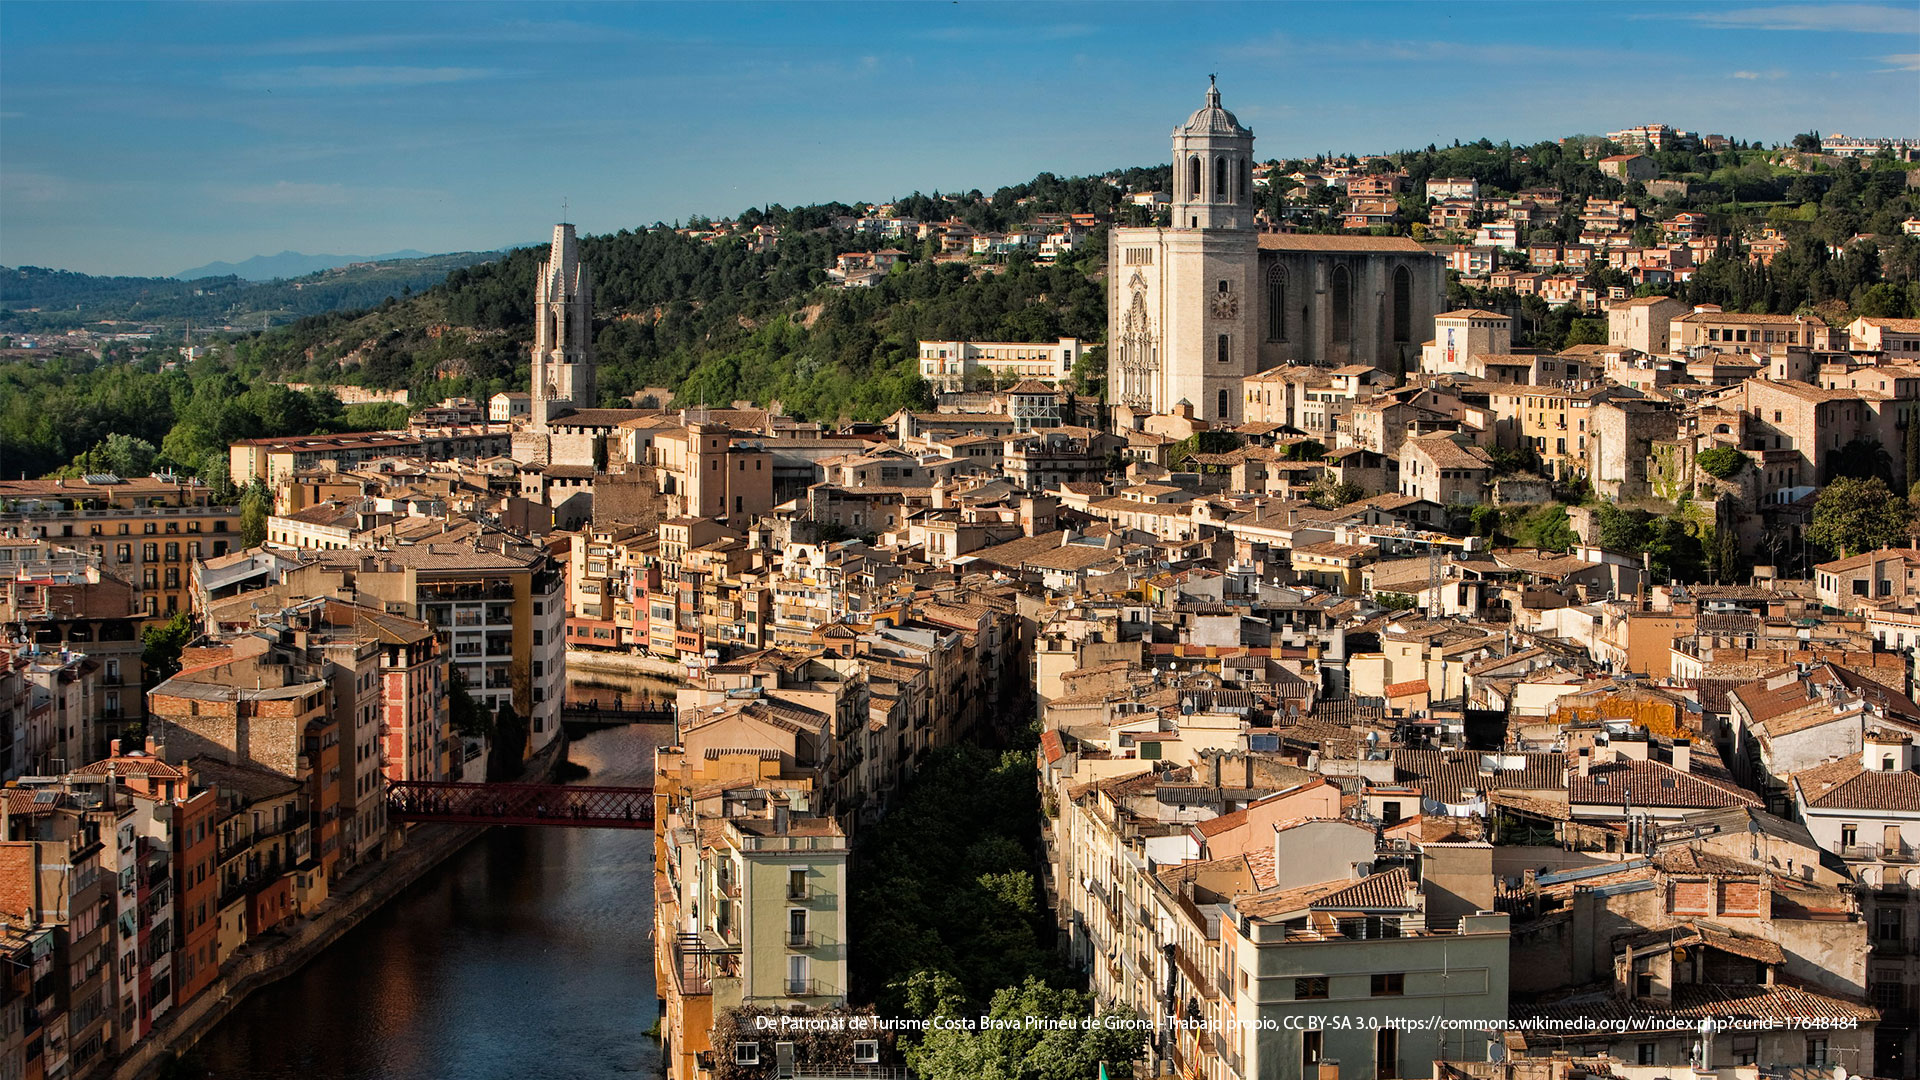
(1195,307)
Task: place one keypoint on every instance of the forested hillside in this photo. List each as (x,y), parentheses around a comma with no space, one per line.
(34,299)
(713,320)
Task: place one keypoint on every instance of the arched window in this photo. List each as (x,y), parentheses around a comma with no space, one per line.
(1222,350)
(1342,307)
(1193,178)
(1226,412)
(1402,305)
(1276,302)
(1220,178)
(1246,180)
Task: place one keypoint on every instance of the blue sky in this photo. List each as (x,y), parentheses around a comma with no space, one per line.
(147,138)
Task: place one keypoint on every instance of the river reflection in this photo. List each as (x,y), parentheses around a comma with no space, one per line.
(523,956)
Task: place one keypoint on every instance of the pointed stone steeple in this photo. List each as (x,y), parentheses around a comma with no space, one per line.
(563,369)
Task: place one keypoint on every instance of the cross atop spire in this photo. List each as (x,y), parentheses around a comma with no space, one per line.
(1213,90)
(565,205)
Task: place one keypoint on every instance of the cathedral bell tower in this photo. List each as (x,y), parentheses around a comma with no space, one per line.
(1212,169)
(563,375)
(1182,313)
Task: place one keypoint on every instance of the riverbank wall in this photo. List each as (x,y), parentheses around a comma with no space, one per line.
(613,663)
(278,954)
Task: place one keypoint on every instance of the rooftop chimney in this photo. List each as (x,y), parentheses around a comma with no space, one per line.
(1683,755)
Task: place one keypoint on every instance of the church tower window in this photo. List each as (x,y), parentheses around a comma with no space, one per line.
(1342,289)
(1222,350)
(1246,181)
(1402,305)
(1224,413)
(1276,302)
(1193,178)
(1220,179)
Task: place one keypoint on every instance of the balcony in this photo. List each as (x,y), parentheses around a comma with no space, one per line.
(802,988)
(1877,853)
(801,940)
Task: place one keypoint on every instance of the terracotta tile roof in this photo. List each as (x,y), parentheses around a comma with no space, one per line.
(142,765)
(1867,558)
(1448,454)
(1599,1007)
(1846,784)
(1652,783)
(1443,774)
(1379,891)
(1268,905)
(1051,745)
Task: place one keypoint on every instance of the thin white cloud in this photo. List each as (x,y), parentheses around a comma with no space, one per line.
(360,76)
(1853,18)
(1770,74)
(1051,32)
(288,193)
(1901,62)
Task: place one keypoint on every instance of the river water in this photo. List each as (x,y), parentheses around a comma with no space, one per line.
(525,955)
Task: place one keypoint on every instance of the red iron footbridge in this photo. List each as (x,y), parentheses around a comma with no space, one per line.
(521,804)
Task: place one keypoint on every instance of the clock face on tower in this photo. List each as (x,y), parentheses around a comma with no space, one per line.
(1225,305)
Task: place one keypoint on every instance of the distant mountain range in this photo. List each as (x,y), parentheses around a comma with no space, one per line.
(287,264)
(34,299)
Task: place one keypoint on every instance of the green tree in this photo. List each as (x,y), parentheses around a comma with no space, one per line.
(1726,541)
(1721,462)
(468,717)
(1586,332)
(1860,458)
(255,507)
(1853,515)
(509,754)
(1546,528)
(161,646)
(375,416)
(1090,373)
(1017,1050)
(1330,494)
(1913,449)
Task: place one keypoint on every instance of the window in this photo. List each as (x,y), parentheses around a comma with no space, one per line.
(1193,178)
(1646,1053)
(1402,305)
(746,1053)
(1225,411)
(1389,984)
(1219,178)
(1745,1049)
(1222,349)
(1276,302)
(1310,1051)
(796,883)
(797,927)
(1386,1053)
(1817,1051)
(1310,989)
(1342,307)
